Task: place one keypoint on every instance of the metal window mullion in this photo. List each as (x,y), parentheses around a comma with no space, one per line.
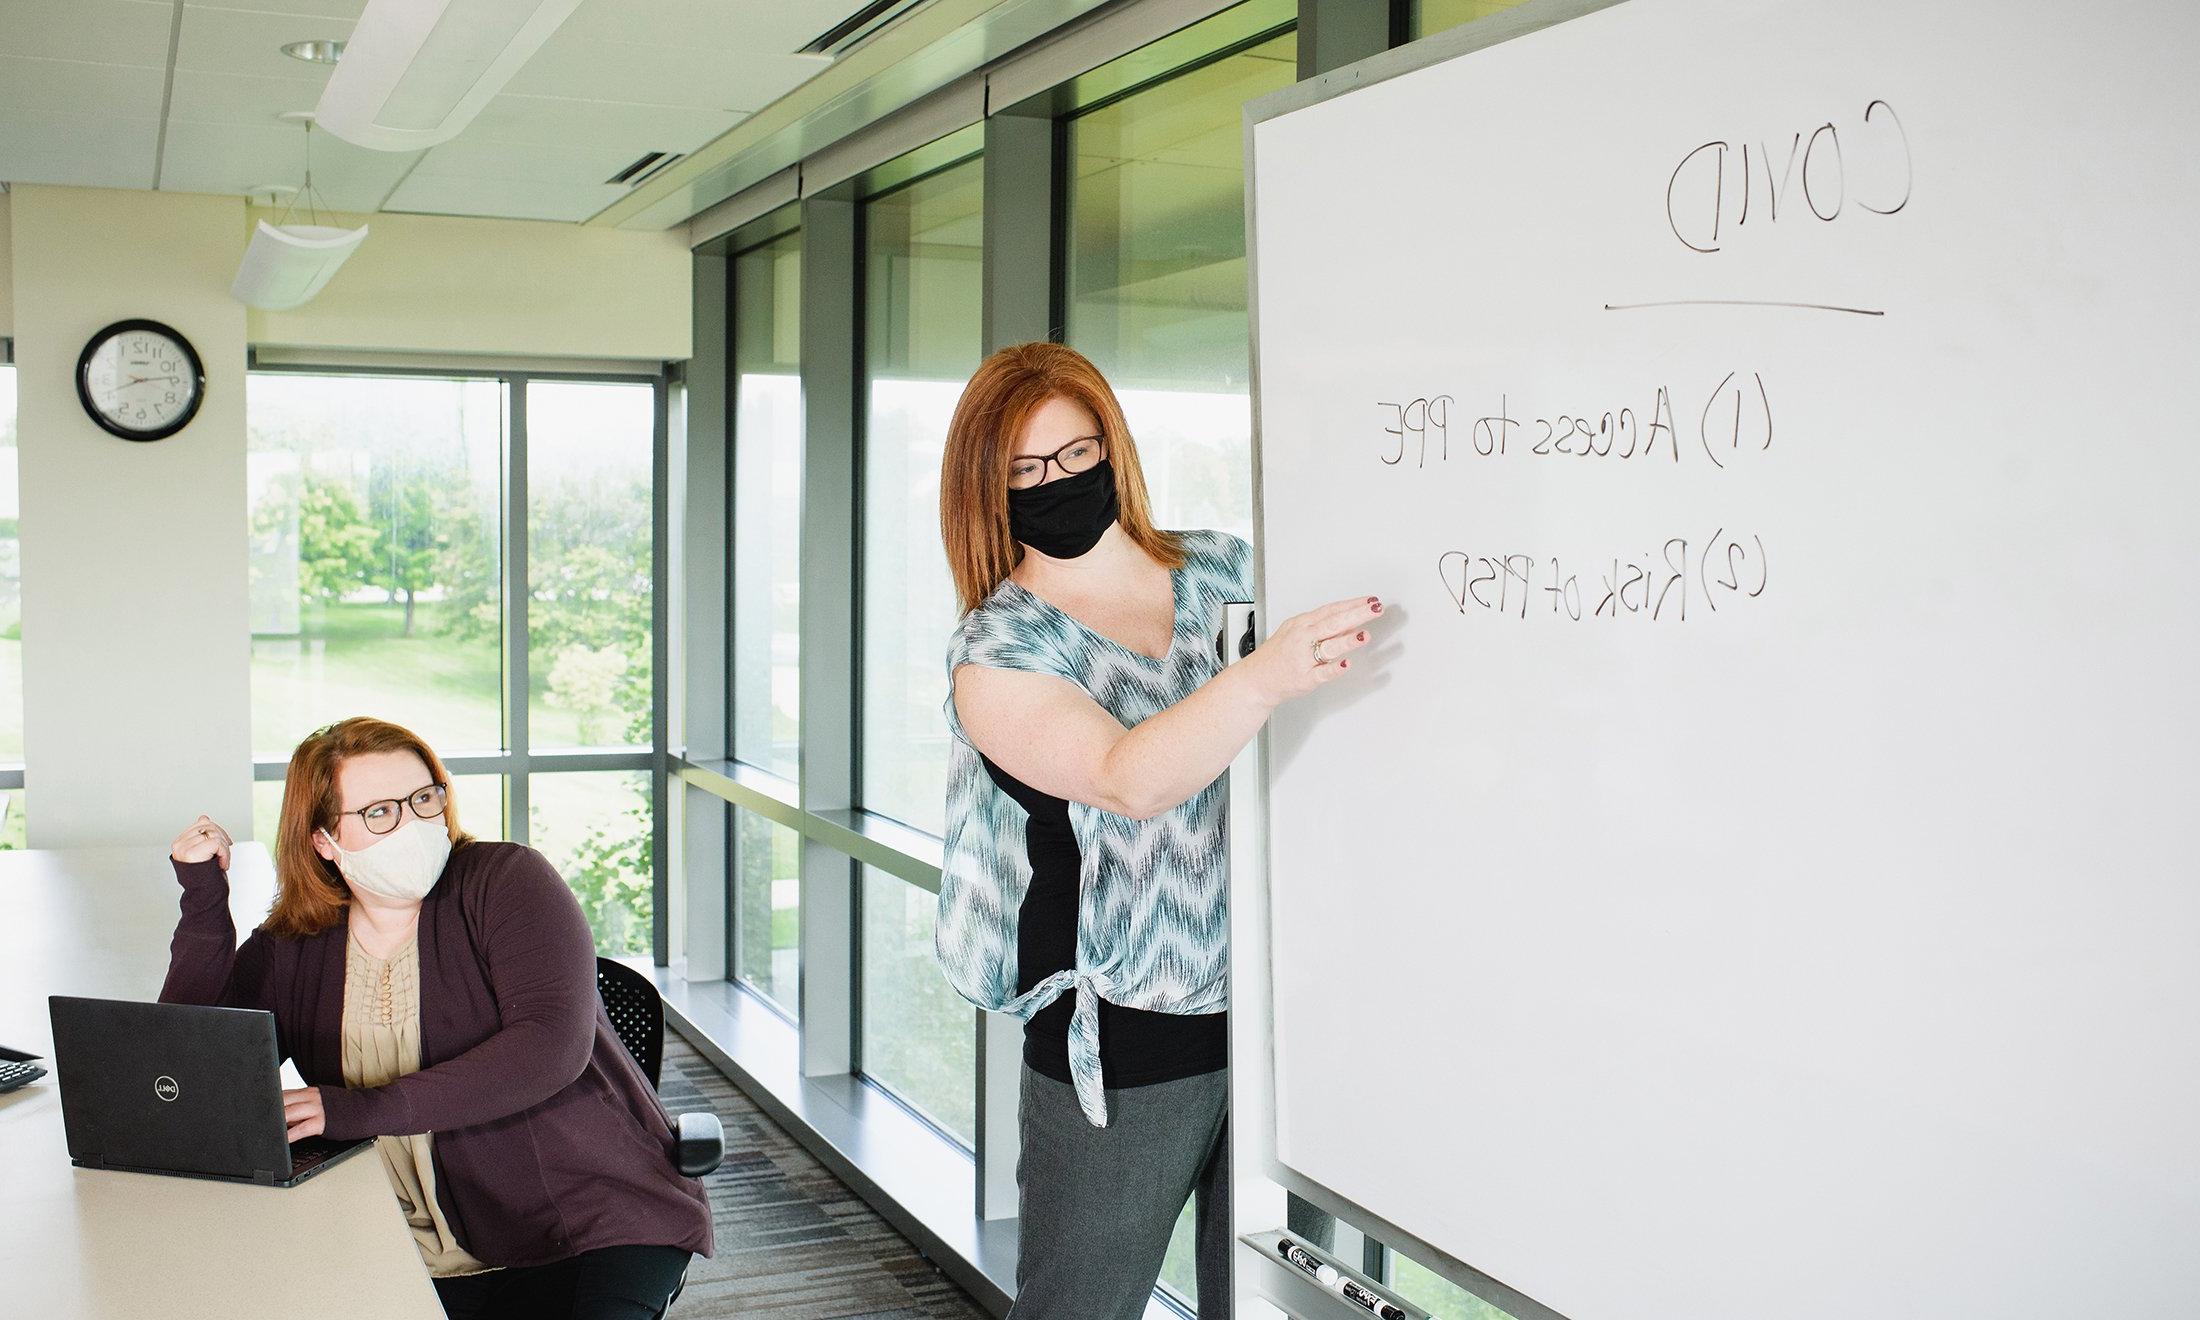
(660,661)
(828,694)
(1334,33)
(706,864)
(1019,281)
(515,611)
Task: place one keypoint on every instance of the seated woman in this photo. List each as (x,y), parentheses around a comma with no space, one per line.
(439,994)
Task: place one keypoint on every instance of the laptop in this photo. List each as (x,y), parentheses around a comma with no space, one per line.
(179,1089)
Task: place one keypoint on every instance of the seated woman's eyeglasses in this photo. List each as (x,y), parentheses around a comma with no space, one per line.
(1080,455)
(382,817)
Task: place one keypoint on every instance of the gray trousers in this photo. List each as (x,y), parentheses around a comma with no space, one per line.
(1099,1204)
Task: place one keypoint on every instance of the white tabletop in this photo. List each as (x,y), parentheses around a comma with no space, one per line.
(84,1243)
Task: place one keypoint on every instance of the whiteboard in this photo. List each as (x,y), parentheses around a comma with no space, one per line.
(1754,875)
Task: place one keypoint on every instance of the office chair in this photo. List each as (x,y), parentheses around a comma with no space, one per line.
(637,1015)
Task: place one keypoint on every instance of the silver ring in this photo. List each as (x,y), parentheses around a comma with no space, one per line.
(1318,660)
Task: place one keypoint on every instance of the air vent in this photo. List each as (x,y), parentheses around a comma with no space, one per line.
(859,27)
(644,167)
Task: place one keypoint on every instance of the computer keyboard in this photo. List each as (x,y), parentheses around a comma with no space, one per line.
(309,1151)
(13,1074)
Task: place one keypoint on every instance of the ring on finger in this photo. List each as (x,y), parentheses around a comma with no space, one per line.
(1319,658)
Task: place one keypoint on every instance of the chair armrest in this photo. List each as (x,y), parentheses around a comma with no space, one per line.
(702,1143)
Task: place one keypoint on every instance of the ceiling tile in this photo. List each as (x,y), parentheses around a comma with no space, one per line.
(101,31)
(662,75)
(230,98)
(554,120)
(72,149)
(237,41)
(760,26)
(348,10)
(234,158)
(68,87)
(512,199)
(573,165)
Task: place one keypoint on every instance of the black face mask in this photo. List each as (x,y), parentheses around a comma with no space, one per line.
(1063,519)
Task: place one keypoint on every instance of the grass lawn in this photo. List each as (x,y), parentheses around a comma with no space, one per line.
(354,659)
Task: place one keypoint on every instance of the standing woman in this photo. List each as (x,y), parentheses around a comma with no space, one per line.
(439,995)
(1083,880)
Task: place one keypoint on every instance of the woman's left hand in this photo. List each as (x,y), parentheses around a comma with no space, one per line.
(302,1112)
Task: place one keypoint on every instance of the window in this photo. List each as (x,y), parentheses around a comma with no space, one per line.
(767,500)
(11,618)
(594,826)
(1436,15)
(921,310)
(589,451)
(375,569)
(920,1038)
(1156,274)
(379,505)
(1155,277)
(767,864)
(1440,1297)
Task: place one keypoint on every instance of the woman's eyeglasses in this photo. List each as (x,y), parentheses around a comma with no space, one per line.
(1080,455)
(382,817)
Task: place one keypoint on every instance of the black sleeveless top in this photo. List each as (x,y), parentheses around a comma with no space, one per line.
(1137,1047)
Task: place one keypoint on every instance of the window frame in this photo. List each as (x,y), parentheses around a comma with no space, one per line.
(517,761)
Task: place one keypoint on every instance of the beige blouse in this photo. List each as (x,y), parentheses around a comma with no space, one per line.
(382,1044)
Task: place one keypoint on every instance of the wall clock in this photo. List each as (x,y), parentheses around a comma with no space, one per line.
(140,380)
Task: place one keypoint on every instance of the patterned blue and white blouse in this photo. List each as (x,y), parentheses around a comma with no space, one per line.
(1152,914)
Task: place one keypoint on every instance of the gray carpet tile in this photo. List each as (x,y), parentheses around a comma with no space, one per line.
(793,1242)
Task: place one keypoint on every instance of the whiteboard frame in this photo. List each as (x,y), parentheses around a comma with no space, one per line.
(1252,1031)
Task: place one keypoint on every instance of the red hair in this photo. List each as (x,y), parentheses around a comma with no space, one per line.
(310,894)
(999,400)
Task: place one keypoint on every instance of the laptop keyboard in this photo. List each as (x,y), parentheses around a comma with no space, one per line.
(13,1075)
(311,1151)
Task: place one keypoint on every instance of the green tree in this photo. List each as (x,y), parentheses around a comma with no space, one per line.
(411,509)
(608,871)
(336,543)
(589,579)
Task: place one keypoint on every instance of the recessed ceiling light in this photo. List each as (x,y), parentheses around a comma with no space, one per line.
(315,52)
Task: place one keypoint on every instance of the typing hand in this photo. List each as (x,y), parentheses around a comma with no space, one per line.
(302,1112)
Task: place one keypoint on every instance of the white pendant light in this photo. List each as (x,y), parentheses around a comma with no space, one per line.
(416,72)
(286,264)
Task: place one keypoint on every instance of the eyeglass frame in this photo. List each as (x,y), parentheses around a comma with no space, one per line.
(1056,459)
(404,804)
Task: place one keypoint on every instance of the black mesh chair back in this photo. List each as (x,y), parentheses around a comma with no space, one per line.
(637,1014)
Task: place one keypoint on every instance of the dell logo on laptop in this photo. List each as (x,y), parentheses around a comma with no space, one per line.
(164,1087)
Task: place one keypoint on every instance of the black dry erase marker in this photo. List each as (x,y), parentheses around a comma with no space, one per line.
(1328,1276)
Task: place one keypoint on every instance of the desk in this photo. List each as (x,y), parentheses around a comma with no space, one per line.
(88,1244)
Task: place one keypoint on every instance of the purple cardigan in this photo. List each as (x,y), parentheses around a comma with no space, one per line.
(549,1141)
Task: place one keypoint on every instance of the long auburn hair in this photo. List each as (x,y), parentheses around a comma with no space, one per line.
(310,894)
(1007,389)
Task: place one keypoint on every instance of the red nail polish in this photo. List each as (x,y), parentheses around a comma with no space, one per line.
(1377,607)
(1363,637)
(1344,664)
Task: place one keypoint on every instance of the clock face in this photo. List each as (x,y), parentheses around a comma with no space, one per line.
(140,380)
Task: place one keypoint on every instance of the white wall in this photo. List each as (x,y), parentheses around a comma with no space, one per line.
(136,655)
(447,284)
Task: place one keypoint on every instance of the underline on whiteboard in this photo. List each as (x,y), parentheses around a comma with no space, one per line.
(1740,302)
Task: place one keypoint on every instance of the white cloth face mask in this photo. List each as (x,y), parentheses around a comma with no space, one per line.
(404,866)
